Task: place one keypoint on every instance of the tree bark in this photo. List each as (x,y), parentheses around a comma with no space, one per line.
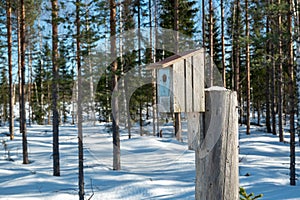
(79,106)
(91,80)
(11,87)
(280,78)
(23,115)
(114,79)
(223,44)
(211,44)
(248,68)
(273,76)
(55,122)
(217,155)
(19,71)
(297,24)
(237,52)
(291,97)
(177,124)
(268,71)
(153,73)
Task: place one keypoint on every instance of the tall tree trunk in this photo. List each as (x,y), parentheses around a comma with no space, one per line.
(280,79)
(90,67)
(248,68)
(155,59)
(211,44)
(268,71)
(237,52)
(11,87)
(291,97)
(177,124)
(55,120)
(42,70)
(297,24)
(203,23)
(114,79)
(23,115)
(153,73)
(223,44)
(125,7)
(19,70)
(127,111)
(79,107)
(140,58)
(29,85)
(273,76)
(141,116)
(273,96)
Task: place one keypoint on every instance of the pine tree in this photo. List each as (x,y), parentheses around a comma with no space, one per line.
(291,90)
(247,37)
(65,80)
(22,62)
(217,44)
(55,78)
(4,88)
(114,79)
(79,104)
(9,57)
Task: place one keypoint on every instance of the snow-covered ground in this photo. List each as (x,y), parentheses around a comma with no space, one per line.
(264,165)
(152,168)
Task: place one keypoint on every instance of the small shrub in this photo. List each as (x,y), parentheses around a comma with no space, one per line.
(245,196)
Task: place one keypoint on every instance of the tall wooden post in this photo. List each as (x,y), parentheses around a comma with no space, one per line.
(217,154)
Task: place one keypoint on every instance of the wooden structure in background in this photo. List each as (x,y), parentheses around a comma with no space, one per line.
(212,122)
(180,80)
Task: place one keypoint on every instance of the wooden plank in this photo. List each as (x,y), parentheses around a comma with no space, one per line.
(173,59)
(198,83)
(178,86)
(217,155)
(188,85)
(193,121)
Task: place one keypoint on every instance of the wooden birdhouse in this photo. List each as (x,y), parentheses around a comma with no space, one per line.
(180,82)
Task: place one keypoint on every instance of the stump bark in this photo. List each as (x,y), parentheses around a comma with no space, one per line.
(217,155)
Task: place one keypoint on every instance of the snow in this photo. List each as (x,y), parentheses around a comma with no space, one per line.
(152,168)
(215,88)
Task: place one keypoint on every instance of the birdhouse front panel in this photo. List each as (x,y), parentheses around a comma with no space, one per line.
(164,90)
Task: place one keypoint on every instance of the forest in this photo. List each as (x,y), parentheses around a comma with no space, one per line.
(83,63)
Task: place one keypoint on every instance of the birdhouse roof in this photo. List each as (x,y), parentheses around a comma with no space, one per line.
(173,59)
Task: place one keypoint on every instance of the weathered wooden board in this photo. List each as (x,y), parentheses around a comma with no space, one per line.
(217,155)
(179,94)
(198,79)
(193,121)
(189,85)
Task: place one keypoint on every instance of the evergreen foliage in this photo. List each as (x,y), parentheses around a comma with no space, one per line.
(245,196)
(216,38)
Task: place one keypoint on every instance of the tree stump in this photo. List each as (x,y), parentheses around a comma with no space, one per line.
(217,155)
